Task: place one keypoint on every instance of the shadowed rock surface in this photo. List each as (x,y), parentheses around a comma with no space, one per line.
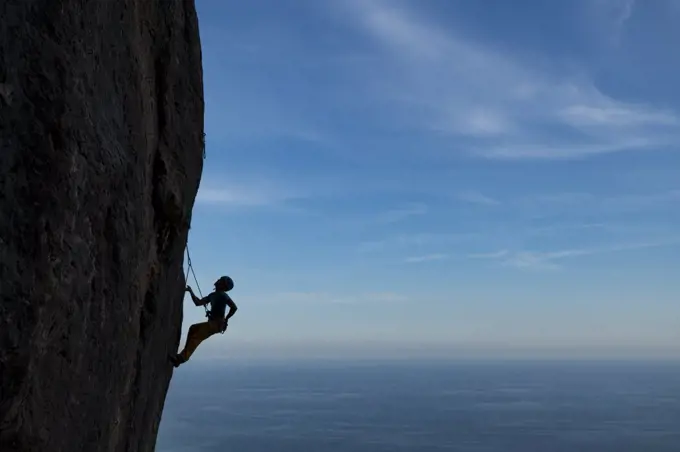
(101,152)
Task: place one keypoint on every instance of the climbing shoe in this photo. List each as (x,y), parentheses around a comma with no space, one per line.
(176,360)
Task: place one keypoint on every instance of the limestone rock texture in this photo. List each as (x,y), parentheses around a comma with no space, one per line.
(101,155)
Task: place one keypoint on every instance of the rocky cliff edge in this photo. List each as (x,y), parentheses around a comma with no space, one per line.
(101,152)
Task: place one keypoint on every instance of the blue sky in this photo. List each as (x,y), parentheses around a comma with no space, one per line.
(393,178)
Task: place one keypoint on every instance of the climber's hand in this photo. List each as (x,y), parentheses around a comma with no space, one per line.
(188,289)
(225,324)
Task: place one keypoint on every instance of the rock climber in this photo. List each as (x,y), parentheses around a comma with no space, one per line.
(217,321)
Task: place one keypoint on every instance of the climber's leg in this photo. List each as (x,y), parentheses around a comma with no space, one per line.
(197,334)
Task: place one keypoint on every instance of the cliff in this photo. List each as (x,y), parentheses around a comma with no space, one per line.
(101,152)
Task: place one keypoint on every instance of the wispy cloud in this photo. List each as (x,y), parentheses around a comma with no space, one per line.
(377,218)
(626,12)
(549,260)
(426,258)
(474,197)
(402,213)
(326,297)
(500,105)
(246,192)
(568,216)
(597,116)
(416,240)
(494,255)
(560,228)
(611,17)
(237,196)
(584,202)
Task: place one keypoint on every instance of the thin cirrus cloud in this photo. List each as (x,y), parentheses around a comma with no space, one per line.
(395,215)
(475,197)
(234,196)
(501,106)
(602,205)
(612,17)
(583,202)
(494,255)
(247,192)
(332,298)
(275,194)
(267,188)
(521,226)
(426,258)
(550,260)
(419,239)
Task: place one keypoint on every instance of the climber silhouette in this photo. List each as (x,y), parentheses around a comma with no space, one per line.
(217,322)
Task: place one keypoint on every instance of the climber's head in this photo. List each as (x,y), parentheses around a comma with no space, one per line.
(224,284)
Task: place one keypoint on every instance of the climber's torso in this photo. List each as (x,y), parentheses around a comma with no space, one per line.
(218,305)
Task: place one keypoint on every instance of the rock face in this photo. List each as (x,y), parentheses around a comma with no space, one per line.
(101,152)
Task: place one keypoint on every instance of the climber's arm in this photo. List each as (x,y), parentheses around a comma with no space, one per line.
(197,301)
(232,309)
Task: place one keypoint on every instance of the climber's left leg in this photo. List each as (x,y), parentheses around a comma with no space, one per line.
(197,334)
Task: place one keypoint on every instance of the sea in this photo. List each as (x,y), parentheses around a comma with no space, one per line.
(423,406)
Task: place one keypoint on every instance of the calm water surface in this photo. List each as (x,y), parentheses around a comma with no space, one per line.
(423,407)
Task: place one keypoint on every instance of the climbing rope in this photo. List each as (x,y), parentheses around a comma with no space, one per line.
(191,269)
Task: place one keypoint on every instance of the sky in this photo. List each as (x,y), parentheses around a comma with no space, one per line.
(441,178)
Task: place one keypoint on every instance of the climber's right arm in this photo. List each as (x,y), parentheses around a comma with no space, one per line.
(197,301)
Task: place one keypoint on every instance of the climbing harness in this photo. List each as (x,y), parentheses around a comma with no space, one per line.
(190,268)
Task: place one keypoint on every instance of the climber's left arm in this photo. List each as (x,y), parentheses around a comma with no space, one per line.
(232,309)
